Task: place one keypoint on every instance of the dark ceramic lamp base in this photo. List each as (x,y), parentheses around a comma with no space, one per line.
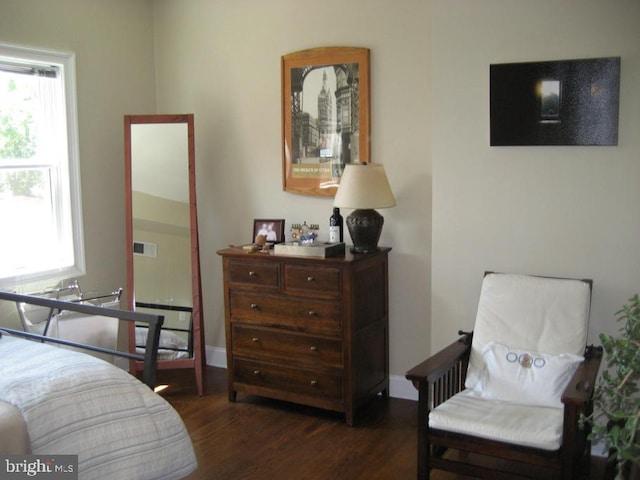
(365,227)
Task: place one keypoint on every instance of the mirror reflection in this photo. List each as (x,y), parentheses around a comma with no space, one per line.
(163,264)
(161,241)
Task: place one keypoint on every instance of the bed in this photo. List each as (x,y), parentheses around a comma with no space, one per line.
(57,401)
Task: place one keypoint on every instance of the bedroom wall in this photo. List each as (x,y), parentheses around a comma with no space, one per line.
(551,210)
(113,43)
(565,211)
(221,61)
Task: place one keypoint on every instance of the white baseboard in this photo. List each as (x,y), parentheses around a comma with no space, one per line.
(216,356)
(399,387)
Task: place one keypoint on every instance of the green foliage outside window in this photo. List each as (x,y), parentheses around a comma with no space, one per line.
(17,137)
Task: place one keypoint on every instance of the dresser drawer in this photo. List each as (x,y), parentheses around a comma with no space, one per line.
(261,274)
(261,343)
(288,379)
(313,316)
(312,281)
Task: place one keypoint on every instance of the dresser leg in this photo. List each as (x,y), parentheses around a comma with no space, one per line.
(232,395)
(349,418)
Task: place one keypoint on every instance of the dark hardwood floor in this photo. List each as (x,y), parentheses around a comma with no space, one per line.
(259,438)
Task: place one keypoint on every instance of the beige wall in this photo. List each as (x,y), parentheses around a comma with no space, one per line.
(566,211)
(221,61)
(550,210)
(113,43)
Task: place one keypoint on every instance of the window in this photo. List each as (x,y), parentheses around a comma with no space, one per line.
(40,208)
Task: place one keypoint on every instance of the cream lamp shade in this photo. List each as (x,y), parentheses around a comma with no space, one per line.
(364,187)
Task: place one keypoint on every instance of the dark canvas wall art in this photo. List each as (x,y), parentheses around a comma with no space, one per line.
(567,102)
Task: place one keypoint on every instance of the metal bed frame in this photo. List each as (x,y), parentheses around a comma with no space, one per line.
(152,321)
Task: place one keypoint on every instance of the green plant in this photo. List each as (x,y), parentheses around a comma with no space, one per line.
(617,393)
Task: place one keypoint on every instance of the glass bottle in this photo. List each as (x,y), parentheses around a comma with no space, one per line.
(336,224)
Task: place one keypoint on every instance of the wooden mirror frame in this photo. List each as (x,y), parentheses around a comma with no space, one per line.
(197,361)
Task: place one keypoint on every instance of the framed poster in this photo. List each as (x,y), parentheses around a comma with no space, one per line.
(325,117)
(565,102)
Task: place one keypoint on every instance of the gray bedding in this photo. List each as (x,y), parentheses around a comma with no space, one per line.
(76,404)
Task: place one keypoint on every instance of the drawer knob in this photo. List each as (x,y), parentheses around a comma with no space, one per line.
(254,339)
(313,348)
(254,306)
(252,273)
(310,278)
(311,313)
(313,383)
(256,372)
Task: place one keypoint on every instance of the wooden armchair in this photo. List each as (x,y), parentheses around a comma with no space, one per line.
(491,406)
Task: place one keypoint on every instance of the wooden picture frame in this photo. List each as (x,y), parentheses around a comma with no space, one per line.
(272,229)
(325,117)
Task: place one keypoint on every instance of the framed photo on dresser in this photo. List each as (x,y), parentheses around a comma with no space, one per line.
(273,230)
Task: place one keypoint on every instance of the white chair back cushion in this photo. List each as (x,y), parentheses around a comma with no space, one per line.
(546,315)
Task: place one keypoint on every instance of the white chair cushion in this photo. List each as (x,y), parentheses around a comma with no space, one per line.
(530,313)
(525,377)
(467,413)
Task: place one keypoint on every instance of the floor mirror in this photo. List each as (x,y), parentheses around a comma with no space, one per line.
(163,261)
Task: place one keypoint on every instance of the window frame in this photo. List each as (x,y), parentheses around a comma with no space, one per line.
(65,60)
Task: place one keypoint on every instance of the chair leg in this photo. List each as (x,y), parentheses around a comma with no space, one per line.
(423,457)
(423,439)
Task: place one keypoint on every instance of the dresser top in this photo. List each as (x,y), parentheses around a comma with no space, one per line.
(348,257)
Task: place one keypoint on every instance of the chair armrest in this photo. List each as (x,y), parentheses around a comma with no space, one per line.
(580,389)
(431,369)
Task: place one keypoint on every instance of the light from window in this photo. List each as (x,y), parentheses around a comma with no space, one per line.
(40,209)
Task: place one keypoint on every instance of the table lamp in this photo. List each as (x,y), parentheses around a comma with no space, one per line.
(364,187)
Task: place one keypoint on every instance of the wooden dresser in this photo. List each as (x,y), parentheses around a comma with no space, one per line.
(307,330)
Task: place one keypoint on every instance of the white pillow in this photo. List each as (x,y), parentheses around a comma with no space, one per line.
(528,378)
